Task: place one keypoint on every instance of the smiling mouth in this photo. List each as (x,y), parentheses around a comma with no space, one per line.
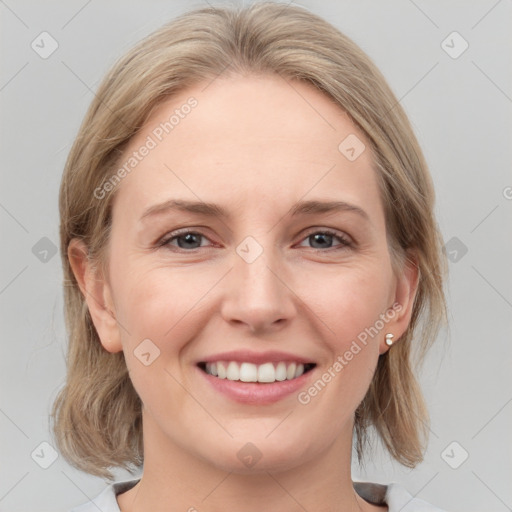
(265,373)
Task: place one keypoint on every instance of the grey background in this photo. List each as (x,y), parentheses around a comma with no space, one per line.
(460,109)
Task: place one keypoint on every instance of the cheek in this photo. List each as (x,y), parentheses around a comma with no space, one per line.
(158,302)
(156,312)
(350,307)
(165,306)
(152,295)
(350,300)
(350,303)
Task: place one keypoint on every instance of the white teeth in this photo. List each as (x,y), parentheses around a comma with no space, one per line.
(233,373)
(266,373)
(248,372)
(290,372)
(281,371)
(221,370)
(213,368)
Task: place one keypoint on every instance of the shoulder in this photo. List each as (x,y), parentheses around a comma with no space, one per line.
(394,495)
(399,499)
(106,501)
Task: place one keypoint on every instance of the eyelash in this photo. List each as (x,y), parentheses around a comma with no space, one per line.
(345,243)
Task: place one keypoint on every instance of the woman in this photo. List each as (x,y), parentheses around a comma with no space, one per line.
(249,248)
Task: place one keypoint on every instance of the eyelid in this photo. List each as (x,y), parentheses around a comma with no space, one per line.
(345,240)
(164,241)
(331,231)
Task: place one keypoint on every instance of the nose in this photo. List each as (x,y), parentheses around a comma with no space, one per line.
(257,295)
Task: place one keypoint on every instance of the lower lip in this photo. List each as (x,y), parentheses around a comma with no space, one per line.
(255,392)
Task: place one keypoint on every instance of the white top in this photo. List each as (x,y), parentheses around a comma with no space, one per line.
(393,495)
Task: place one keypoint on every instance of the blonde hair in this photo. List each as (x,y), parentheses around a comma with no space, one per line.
(97,415)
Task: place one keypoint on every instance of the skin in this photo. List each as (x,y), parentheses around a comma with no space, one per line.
(250,141)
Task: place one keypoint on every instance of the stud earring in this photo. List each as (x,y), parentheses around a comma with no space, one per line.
(389,339)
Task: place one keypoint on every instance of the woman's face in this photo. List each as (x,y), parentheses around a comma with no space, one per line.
(275,278)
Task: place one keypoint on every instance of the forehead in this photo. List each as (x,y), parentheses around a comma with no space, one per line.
(247,140)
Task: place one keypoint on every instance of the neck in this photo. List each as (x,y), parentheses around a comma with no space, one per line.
(174,479)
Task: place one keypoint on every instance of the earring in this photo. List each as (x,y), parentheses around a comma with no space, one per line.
(389,339)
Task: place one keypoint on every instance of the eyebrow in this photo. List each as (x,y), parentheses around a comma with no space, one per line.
(216,211)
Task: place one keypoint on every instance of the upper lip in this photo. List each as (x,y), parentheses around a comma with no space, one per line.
(246,356)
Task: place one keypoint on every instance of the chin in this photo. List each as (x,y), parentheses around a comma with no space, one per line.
(247,457)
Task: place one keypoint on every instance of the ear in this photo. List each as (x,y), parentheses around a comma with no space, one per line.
(97,294)
(405,292)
